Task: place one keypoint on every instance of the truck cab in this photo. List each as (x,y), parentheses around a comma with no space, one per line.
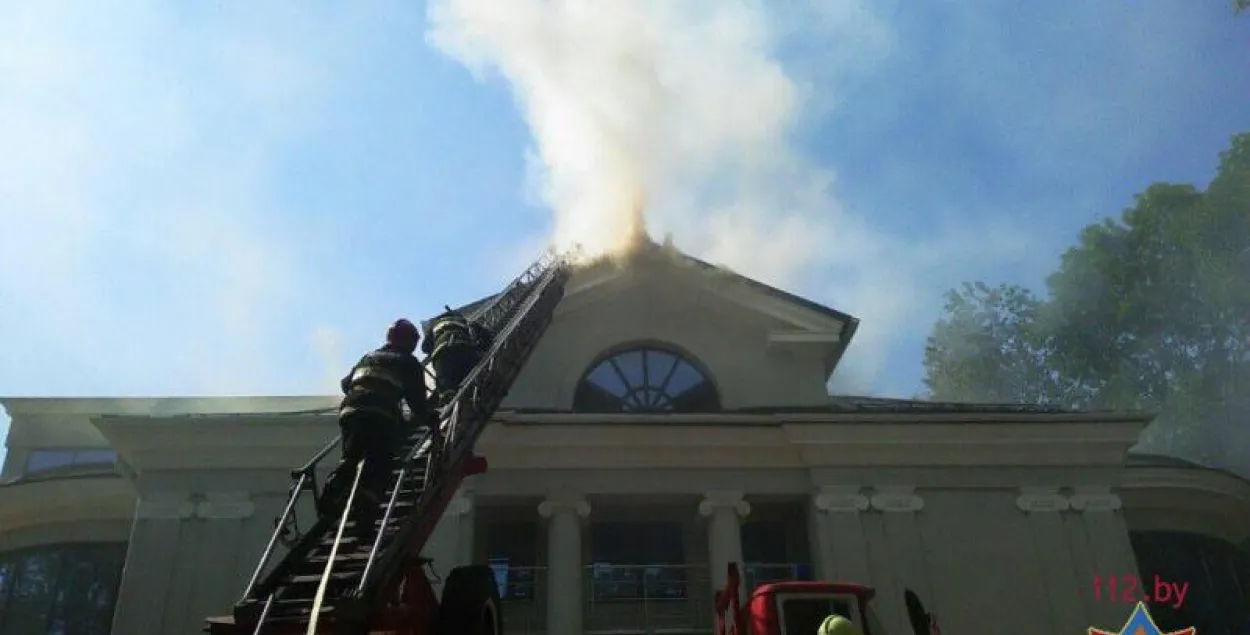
(799,608)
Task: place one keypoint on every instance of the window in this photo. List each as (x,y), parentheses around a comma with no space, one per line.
(1218,602)
(511,550)
(65,588)
(48,460)
(646,380)
(766,554)
(637,560)
(804,613)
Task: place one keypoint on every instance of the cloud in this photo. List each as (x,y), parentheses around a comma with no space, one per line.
(146,247)
(705,112)
(694,108)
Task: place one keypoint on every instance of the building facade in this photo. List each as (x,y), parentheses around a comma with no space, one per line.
(673,419)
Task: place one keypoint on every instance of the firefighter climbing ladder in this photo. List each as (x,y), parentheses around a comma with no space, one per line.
(329,581)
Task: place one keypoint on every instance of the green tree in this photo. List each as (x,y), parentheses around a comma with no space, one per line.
(1147,311)
(988,348)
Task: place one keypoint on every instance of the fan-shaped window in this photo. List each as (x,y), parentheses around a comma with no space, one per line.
(646,380)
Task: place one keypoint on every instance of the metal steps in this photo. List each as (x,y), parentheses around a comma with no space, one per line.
(332,579)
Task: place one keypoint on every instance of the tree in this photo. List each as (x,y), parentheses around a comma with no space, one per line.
(1147,311)
(988,348)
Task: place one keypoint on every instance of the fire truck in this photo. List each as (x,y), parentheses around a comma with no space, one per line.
(330,582)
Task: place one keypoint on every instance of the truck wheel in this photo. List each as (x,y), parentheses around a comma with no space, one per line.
(470,604)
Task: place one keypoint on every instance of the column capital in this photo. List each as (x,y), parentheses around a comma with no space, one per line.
(1094,498)
(564,502)
(896,498)
(713,501)
(840,498)
(1041,499)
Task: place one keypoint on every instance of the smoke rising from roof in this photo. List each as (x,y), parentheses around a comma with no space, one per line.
(681,108)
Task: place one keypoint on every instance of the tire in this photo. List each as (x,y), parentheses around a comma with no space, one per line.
(470,604)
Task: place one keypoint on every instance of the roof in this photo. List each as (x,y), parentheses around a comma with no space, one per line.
(653,247)
(850,324)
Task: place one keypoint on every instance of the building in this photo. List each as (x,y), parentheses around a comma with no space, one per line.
(674,418)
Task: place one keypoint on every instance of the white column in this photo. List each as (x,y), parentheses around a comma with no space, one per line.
(724,511)
(564,513)
(1059,583)
(839,543)
(1102,515)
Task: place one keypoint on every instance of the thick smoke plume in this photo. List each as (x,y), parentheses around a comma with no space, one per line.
(678,108)
(689,110)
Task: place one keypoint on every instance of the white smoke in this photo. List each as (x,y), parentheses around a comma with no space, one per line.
(678,108)
(687,111)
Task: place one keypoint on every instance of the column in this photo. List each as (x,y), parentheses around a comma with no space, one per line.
(838,543)
(896,559)
(564,513)
(1111,550)
(724,511)
(1059,585)
(189,545)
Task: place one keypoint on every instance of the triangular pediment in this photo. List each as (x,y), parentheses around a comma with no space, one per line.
(668,271)
(758,343)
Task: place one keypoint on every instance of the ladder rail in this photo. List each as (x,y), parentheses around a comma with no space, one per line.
(305,478)
(431,468)
(324,583)
(414,532)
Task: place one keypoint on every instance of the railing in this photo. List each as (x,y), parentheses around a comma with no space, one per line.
(502,316)
(524,594)
(756,573)
(627,599)
(648,599)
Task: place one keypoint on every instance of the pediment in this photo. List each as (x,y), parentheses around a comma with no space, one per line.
(668,273)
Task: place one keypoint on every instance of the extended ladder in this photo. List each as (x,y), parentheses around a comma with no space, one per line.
(329,581)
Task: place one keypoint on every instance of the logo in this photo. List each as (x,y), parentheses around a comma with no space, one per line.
(1140,623)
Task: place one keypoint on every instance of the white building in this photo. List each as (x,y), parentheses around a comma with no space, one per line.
(674,418)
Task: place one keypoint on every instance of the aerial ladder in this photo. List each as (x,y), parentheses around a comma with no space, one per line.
(329,581)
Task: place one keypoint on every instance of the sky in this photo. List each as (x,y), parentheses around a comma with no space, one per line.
(236,198)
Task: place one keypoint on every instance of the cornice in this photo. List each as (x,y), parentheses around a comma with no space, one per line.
(217,442)
(267,441)
(65,500)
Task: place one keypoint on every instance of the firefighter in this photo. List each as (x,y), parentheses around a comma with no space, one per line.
(453,346)
(372,421)
(837,625)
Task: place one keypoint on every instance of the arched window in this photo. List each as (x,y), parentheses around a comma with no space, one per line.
(60,588)
(645,379)
(1217,572)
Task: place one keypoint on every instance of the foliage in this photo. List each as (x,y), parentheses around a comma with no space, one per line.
(1147,311)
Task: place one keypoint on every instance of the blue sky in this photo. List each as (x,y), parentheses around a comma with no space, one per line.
(235,198)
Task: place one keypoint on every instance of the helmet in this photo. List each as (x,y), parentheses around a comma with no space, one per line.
(837,625)
(403,334)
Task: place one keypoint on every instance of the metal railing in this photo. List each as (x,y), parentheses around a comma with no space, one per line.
(429,471)
(648,599)
(756,573)
(524,594)
(626,599)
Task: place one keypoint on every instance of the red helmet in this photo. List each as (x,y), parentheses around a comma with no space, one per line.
(403,334)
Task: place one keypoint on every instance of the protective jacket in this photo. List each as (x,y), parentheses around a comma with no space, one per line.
(381,381)
(452,330)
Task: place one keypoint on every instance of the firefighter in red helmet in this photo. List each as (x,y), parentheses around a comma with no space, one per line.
(372,421)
